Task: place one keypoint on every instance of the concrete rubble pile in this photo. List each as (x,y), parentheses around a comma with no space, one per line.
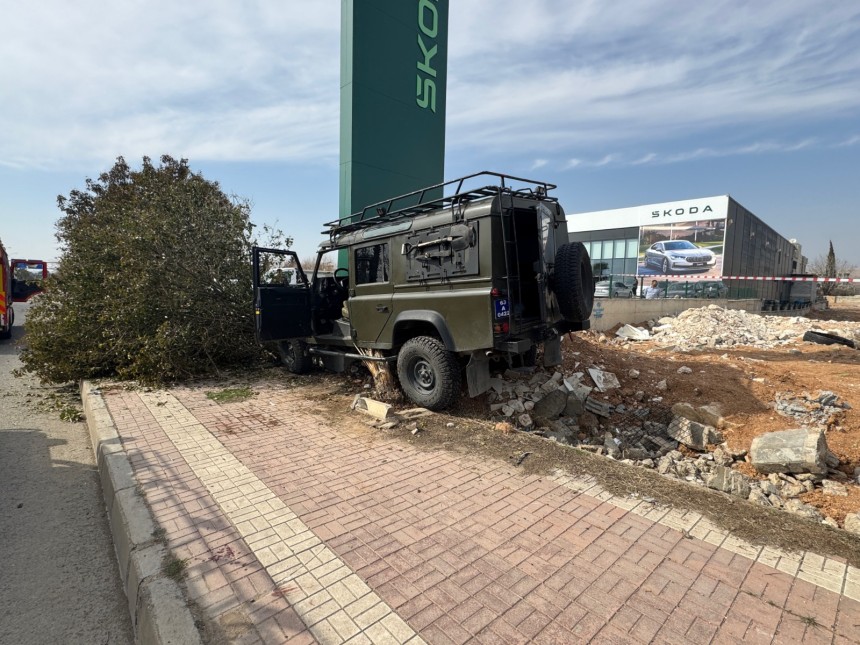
(823,410)
(684,443)
(715,327)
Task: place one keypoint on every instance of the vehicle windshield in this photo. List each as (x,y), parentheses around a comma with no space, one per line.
(679,245)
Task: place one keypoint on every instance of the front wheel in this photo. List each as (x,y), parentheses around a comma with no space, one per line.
(429,374)
(666,266)
(294,354)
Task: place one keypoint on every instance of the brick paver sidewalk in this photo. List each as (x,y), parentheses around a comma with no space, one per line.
(294,529)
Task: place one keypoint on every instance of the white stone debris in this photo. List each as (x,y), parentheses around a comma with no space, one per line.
(713,326)
(633,333)
(603,380)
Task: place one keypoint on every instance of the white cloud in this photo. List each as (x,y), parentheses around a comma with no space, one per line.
(215,80)
(656,158)
(596,75)
(850,141)
(260,80)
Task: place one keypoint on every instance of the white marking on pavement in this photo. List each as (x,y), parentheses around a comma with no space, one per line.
(330,598)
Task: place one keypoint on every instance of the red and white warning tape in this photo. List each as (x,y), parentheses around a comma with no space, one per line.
(790,278)
(782,278)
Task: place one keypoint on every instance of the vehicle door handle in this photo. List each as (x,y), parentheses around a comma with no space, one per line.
(382,308)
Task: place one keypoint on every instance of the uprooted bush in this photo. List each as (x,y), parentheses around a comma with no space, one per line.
(154,281)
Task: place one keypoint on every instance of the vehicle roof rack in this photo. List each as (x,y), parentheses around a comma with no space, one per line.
(425,200)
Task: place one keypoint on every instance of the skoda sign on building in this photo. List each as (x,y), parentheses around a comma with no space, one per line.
(682,241)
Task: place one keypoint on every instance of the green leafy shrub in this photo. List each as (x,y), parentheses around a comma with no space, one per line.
(154,282)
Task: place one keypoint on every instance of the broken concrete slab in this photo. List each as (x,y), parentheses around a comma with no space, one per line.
(805,511)
(603,380)
(831,487)
(580,391)
(790,451)
(374,408)
(692,434)
(659,444)
(612,445)
(573,407)
(600,408)
(728,481)
(687,411)
(552,405)
(711,415)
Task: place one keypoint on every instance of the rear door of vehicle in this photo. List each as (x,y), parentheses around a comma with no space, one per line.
(27,278)
(282,295)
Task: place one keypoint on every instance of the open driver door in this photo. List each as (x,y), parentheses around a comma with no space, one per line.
(282,295)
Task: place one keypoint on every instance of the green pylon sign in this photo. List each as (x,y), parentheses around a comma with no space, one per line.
(394,59)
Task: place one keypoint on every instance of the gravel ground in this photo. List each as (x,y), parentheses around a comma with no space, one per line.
(59,581)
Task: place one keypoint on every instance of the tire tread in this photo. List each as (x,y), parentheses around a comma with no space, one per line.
(444,364)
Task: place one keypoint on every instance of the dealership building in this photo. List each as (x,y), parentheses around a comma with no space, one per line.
(705,239)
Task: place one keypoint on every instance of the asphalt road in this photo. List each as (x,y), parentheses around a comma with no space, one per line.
(59,581)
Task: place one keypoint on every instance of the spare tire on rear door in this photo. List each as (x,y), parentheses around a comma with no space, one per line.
(573,283)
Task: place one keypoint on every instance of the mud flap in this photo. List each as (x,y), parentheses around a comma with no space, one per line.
(552,351)
(478,373)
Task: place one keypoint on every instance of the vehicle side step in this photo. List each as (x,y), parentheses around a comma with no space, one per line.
(330,352)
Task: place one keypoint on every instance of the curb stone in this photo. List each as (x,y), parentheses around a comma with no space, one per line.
(159,612)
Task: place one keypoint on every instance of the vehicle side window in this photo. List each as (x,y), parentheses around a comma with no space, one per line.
(372,264)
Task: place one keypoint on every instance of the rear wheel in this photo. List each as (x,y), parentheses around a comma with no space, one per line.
(573,282)
(429,374)
(294,354)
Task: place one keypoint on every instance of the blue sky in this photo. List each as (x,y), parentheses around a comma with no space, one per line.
(620,104)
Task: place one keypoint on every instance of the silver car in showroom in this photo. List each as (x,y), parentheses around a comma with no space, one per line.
(679,255)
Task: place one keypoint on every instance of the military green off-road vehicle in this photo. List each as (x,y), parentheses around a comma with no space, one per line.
(436,283)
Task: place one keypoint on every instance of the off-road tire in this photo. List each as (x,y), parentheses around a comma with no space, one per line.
(429,374)
(823,338)
(573,282)
(294,355)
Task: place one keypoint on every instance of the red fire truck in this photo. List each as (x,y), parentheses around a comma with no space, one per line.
(20,280)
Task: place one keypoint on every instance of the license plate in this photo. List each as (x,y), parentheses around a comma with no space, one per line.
(503,308)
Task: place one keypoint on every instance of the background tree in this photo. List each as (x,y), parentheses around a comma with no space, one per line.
(830,266)
(309,261)
(154,280)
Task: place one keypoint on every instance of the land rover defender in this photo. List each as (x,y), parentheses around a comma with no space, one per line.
(440,281)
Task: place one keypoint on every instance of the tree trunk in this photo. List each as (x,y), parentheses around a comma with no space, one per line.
(385,385)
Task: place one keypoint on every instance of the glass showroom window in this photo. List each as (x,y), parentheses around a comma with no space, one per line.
(632,248)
